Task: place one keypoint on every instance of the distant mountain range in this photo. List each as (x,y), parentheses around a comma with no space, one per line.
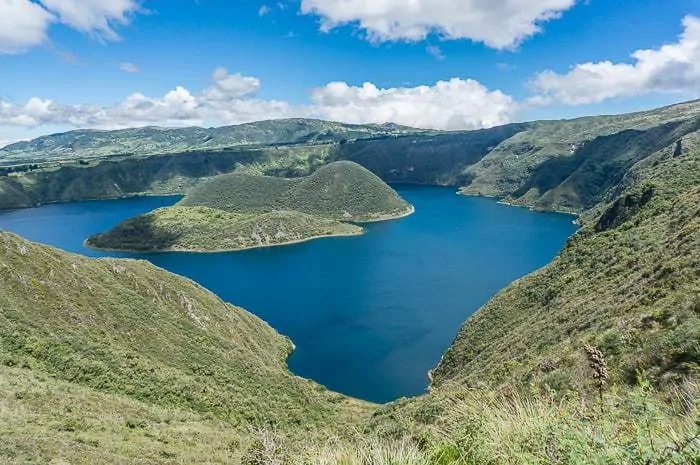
(568,165)
(87,143)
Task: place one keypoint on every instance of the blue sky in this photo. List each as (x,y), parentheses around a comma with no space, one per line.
(74,63)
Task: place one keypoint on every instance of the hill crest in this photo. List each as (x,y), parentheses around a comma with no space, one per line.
(343,191)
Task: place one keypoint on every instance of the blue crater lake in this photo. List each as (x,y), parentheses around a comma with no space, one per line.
(370,315)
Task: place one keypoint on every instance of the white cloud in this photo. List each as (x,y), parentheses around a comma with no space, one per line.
(497,23)
(453,104)
(97,17)
(23,25)
(34,113)
(263,10)
(230,86)
(435,51)
(178,105)
(129,67)
(670,68)
(231,99)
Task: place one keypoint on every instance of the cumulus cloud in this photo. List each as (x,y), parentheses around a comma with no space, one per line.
(232,99)
(497,23)
(23,25)
(97,17)
(129,67)
(229,100)
(670,68)
(230,86)
(453,104)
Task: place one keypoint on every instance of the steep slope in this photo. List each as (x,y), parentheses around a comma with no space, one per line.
(340,190)
(534,167)
(628,283)
(439,158)
(87,144)
(200,229)
(131,333)
(48,420)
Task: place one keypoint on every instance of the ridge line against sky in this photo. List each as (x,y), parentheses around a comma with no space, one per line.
(443,64)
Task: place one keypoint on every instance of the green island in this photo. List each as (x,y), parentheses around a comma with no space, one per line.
(593,359)
(202,229)
(243,211)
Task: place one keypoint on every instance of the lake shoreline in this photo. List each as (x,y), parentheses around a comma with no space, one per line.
(224,250)
(383,218)
(505,202)
(410,211)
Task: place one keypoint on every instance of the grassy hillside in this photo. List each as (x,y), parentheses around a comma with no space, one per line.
(138,142)
(207,229)
(628,283)
(340,190)
(133,335)
(457,426)
(568,164)
(44,419)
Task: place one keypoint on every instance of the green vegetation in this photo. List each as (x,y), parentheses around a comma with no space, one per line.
(342,190)
(574,164)
(479,427)
(549,165)
(153,175)
(438,158)
(241,211)
(132,339)
(627,283)
(44,419)
(206,229)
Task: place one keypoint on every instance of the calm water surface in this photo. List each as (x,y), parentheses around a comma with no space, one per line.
(369,315)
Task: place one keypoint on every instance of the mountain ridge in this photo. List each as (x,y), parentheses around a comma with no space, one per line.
(151,140)
(503,162)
